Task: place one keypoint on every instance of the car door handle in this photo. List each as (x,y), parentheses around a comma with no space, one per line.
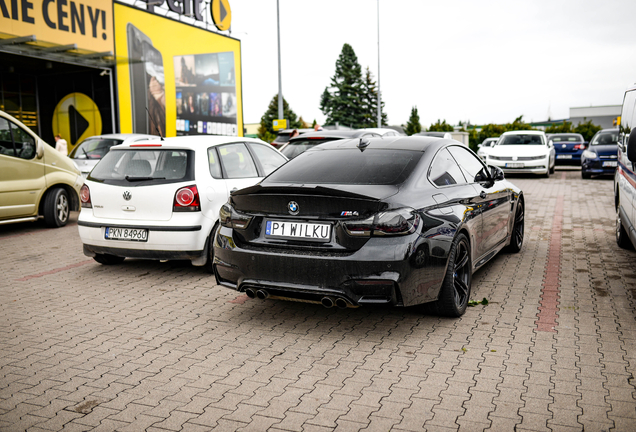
(482,194)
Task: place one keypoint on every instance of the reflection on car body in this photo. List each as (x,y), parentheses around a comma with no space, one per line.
(429,213)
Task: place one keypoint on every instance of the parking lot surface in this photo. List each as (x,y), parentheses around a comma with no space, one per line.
(160,347)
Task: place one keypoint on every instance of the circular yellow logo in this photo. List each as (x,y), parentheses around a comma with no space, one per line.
(76,117)
(221,14)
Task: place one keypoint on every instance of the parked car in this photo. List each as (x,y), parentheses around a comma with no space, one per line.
(90,151)
(304,142)
(372,221)
(284,135)
(445,135)
(601,155)
(568,147)
(36,181)
(161,199)
(523,152)
(385,132)
(485,146)
(625,178)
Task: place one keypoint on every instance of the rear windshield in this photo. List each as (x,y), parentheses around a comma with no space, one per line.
(144,167)
(282,137)
(521,139)
(349,167)
(297,147)
(94,148)
(567,138)
(605,138)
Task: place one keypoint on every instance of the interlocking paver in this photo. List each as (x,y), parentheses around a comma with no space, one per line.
(158,346)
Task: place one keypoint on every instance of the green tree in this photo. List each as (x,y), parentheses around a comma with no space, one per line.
(370,102)
(564,127)
(587,129)
(413,126)
(441,126)
(518,124)
(266,129)
(343,100)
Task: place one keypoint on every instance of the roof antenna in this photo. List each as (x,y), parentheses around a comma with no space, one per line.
(363,144)
(154,124)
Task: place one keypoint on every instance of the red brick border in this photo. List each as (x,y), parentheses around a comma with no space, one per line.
(546,318)
(57,270)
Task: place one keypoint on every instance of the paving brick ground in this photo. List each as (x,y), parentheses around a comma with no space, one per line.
(159,347)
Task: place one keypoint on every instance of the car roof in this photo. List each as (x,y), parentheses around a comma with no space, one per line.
(192,142)
(288,131)
(380,131)
(524,132)
(123,136)
(414,143)
(608,130)
(335,134)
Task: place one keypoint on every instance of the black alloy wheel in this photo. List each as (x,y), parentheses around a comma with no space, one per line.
(622,238)
(56,208)
(516,238)
(455,291)
(108,259)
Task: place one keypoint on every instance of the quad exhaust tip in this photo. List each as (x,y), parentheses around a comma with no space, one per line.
(250,293)
(262,294)
(342,303)
(327,302)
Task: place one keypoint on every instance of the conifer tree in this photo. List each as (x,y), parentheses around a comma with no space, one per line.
(266,129)
(342,100)
(370,102)
(413,126)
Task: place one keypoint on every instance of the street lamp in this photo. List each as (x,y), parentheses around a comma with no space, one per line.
(280,79)
(379,98)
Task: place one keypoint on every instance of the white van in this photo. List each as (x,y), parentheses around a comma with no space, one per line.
(625,178)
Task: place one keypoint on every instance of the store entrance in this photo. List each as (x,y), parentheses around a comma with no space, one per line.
(52,97)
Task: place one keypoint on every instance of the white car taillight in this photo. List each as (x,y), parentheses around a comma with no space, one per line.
(85,197)
(187,199)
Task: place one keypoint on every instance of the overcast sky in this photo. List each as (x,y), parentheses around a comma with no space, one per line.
(483,61)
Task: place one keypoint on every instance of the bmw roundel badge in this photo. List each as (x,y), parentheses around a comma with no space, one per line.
(293,208)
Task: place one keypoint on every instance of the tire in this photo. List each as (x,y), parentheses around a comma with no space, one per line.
(622,238)
(516,238)
(586,175)
(455,291)
(56,208)
(107,259)
(552,169)
(209,264)
(547,173)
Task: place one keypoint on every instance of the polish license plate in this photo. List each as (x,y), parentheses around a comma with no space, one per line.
(610,164)
(564,156)
(129,234)
(298,230)
(514,165)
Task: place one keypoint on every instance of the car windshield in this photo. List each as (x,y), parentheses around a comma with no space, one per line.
(567,138)
(93,148)
(605,138)
(132,167)
(521,139)
(349,166)
(294,148)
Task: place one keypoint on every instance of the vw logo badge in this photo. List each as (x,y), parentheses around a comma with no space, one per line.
(127,195)
(514,158)
(293,208)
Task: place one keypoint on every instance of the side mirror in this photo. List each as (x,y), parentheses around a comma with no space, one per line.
(496,173)
(550,143)
(39,149)
(631,146)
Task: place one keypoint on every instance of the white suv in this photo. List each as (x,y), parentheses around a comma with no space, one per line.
(161,199)
(625,178)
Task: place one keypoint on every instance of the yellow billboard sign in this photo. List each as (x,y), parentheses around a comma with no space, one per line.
(175,78)
(87,23)
(279,124)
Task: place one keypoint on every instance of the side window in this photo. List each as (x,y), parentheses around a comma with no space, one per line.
(471,166)
(269,158)
(24,143)
(215,165)
(444,170)
(6,142)
(237,161)
(627,122)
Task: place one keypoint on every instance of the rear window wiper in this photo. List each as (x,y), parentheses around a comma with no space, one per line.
(132,179)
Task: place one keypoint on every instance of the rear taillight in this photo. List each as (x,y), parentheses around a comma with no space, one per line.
(85,197)
(389,223)
(230,218)
(187,200)
(579,147)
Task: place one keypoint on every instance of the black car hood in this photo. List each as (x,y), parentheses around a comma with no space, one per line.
(607,149)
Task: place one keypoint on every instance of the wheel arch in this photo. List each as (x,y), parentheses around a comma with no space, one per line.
(72,196)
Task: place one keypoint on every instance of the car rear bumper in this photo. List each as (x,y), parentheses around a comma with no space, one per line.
(595,167)
(379,273)
(91,251)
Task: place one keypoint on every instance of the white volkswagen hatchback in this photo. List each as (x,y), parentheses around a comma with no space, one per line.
(161,199)
(526,151)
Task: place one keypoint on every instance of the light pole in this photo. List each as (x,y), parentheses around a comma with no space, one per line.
(379,98)
(280,79)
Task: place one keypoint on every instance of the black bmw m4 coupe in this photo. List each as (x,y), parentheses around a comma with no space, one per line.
(401,221)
